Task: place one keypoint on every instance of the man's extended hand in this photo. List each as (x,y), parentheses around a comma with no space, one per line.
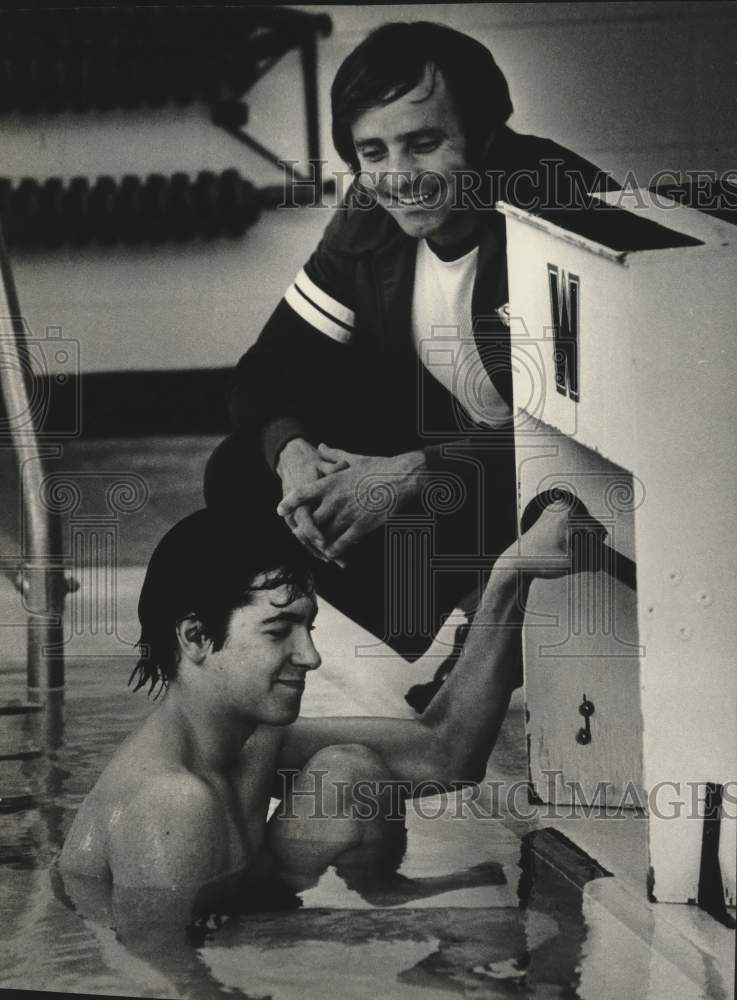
(559,538)
(356,497)
(300,464)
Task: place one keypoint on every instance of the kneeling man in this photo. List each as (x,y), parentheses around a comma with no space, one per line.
(227,614)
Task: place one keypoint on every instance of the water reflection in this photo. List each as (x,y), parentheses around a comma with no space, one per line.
(259,940)
(33,785)
(154,927)
(72,738)
(266,940)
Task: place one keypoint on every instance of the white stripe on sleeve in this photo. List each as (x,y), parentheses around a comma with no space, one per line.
(336,310)
(315,318)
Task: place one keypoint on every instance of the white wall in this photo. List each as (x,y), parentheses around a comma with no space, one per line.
(633,86)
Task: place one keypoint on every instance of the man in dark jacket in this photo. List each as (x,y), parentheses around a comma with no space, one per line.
(377,399)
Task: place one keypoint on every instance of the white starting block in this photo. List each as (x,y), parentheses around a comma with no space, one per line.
(624,347)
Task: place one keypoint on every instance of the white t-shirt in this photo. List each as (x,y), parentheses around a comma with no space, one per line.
(442,330)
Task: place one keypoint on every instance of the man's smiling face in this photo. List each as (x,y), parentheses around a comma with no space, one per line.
(261,669)
(409,152)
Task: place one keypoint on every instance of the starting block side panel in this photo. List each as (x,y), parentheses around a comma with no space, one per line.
(581,643)
(687,568)
(653,334)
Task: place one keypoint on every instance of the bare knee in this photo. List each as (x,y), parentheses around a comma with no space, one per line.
(338,775)
(349,762)
(347,781)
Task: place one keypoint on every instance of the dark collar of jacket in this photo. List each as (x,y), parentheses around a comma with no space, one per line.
(393,265)
(384,283)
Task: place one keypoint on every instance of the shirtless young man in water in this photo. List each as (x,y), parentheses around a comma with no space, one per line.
(226,619)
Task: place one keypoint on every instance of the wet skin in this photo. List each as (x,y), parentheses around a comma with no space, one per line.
(186,797)
(183,803)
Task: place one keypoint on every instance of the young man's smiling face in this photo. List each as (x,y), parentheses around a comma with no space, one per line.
(409,152)
(261,669)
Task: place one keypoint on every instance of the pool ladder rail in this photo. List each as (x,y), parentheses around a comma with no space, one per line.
(42,579)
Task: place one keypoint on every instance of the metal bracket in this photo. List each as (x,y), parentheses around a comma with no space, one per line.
(586,709)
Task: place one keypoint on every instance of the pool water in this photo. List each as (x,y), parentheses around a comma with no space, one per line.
(479,907)
(429,926)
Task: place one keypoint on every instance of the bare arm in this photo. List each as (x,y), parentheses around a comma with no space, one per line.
(452,741)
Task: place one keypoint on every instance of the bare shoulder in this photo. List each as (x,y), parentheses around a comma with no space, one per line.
(171,794)
(168,833)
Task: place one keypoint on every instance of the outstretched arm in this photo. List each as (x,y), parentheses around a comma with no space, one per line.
(453,739)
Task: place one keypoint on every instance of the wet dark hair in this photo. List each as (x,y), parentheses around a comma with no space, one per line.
(205,567)
(392,60)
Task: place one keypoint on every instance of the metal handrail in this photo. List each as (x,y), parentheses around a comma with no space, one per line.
(43,581)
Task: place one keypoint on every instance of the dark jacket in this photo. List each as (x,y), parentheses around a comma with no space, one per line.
(358,386)
(336,363)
